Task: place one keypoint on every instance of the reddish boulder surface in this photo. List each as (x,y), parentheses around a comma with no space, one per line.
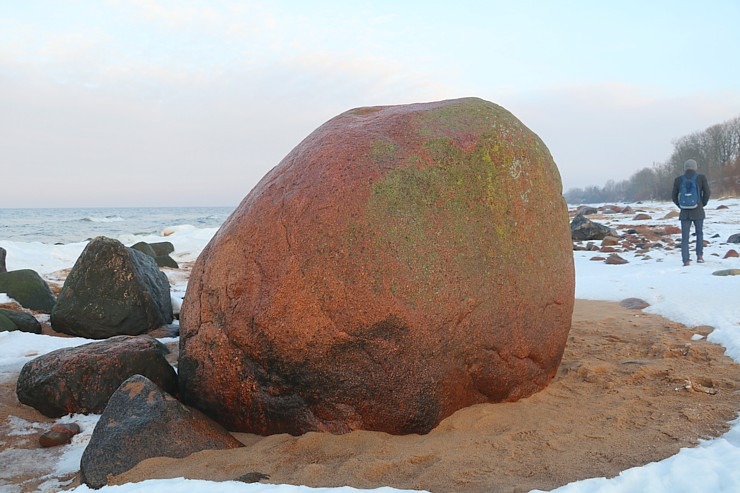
(401,263)
(81,379)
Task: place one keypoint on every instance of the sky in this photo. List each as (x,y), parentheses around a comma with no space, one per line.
(113,103)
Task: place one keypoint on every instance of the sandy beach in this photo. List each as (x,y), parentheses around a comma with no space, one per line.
(632,388)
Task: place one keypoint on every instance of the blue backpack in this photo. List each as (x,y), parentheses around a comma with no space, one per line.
(688,193)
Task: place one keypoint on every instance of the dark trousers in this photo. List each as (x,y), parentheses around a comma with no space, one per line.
(686,232)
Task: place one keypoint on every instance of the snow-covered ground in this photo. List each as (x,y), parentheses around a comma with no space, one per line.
(689,295)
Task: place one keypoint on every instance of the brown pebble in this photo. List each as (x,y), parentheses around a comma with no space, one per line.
(634,303)
(615,259)
(59,434)
(72,428)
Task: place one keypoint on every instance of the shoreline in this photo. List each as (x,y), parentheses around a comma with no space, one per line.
(619,400)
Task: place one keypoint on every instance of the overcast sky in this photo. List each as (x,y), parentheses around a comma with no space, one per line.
(159,102)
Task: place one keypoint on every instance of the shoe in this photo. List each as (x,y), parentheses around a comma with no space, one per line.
(686,264)
(700,259)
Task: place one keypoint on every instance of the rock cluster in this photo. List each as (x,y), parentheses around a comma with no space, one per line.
(111,290)
(159,251)
(587,234)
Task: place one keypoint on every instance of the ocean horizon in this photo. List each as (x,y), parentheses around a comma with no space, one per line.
(75,224)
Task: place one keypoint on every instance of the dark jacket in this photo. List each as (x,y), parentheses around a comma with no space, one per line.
(703,186)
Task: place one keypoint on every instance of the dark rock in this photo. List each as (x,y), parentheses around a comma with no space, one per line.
(141,421)
(610,241)
(60,434)
(144,247)
(727,272)
(252,477)
(582,229)
(734,238)
(81,379)
(166,261)
(634,303)
(162,248)
(23,321)
(586,210)
(377,279)
(3,254)
(112,290)
(27,288)
(627,210)
(159,252)
(597,259)
(722,207)
(6,324)
(731,254)
(615,259)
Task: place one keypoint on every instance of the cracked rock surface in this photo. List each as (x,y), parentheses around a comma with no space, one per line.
(399,264)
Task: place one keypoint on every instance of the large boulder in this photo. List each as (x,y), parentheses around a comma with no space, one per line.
(399,264)
(27,288)
(112,290)
(81,379)
(141,421)
(22,321)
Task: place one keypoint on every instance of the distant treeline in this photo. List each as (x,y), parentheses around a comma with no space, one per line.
(716,149)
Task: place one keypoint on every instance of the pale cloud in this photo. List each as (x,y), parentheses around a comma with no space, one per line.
(205,97)
(610,131)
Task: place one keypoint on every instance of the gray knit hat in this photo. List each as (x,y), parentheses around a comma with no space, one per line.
(690,164)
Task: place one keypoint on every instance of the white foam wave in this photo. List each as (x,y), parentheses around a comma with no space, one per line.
(103,219)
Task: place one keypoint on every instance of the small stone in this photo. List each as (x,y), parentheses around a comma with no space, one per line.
(610,241)
(615,259)
(727,272)
(252,477)
(59,434)
(634,303)
(731,254)
(642,217)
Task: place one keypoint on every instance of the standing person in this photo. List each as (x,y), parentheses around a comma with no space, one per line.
(691,194)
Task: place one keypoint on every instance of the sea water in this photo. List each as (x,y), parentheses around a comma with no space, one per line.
(71,225)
